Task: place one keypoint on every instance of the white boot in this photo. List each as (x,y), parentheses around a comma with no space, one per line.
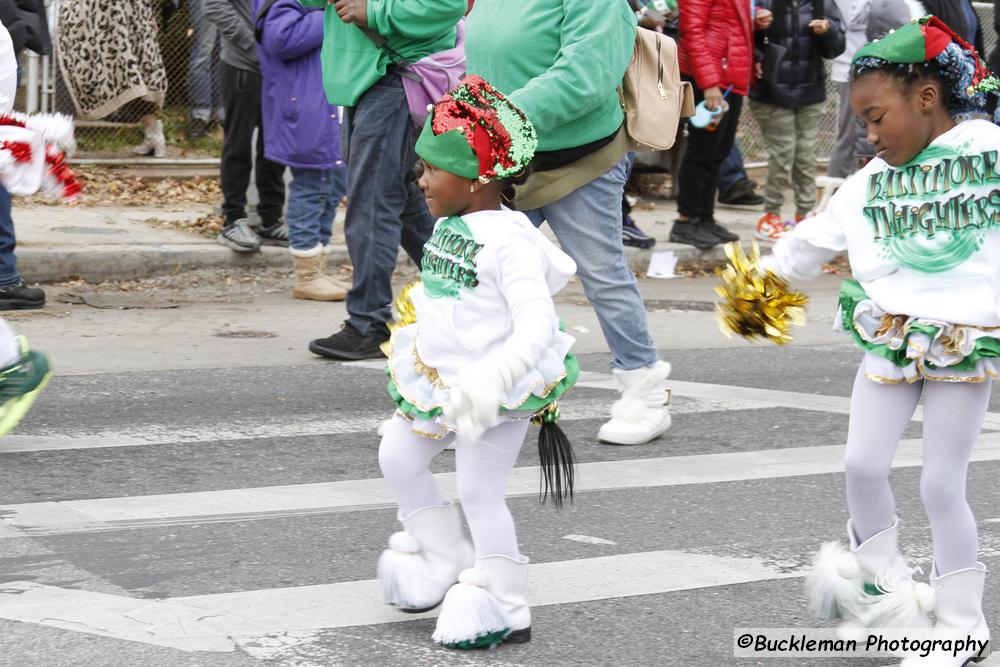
(641,414)
(870,586)
(959,613)
(424,559)
(310,280)
(155,143)
(487,606)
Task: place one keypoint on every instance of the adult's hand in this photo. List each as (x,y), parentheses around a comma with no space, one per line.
(819,26)
(763,19)
(649,22)
(351,11)
(713,98)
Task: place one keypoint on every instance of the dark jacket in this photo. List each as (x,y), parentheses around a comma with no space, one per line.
(27,24)
(952,13)
(301,129)
(801,76)
(235,21)
(995,54)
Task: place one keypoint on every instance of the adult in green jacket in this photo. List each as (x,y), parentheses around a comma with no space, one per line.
(561,61)
(385,206)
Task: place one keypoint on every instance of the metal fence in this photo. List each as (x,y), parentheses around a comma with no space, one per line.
(181,36)
(178,35)
(753,146)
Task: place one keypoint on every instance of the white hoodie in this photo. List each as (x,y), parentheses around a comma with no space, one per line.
(923,239)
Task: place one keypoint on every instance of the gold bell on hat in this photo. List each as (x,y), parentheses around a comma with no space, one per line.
(970,91)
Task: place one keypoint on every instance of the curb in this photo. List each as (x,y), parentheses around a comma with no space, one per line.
(97,263)
(638,258)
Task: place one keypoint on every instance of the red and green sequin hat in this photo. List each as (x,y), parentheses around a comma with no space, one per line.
(477,133)
(923,40)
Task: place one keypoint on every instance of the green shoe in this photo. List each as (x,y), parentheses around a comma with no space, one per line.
(20,384)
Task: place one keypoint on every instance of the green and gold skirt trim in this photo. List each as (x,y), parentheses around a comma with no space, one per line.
(900,348)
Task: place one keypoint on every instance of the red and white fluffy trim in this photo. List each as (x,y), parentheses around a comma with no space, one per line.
(31,155)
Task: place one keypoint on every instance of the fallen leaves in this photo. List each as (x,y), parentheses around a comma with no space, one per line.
(109,187)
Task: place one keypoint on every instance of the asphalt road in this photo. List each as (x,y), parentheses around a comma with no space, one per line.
(179,499)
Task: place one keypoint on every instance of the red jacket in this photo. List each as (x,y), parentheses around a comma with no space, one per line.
(716,45)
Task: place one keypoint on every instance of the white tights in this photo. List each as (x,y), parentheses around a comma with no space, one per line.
(481,471)
(953,417)
(9,351)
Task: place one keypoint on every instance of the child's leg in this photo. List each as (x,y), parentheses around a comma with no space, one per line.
(10,351)
(953,417)
(306,201)
(879,415)
(778,125)
(482,469)
(807,120)
(338,181)
(404,458)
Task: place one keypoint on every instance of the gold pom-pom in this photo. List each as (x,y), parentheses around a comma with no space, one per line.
(403,312)
(756,303)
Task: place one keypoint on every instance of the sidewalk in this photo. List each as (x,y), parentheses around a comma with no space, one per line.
(117,243)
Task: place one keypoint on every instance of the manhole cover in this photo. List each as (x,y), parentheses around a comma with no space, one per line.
(673,304)
(244,333)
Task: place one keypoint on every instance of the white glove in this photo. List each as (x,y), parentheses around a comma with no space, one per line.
(474,401)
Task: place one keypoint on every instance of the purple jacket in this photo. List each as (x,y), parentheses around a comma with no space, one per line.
(301,129)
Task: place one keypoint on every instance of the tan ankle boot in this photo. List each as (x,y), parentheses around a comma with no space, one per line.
(310,281)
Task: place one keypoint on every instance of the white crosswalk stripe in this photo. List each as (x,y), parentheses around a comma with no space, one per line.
(240,620)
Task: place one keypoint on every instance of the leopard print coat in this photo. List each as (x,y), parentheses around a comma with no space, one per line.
(108,54)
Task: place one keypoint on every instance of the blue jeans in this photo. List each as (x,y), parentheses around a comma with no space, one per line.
(313,197)
(203,65)
(8,262)
(588,224)
(385,207)
(732,171)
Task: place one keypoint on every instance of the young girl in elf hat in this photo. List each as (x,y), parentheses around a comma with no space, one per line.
(921,226)
(484,355)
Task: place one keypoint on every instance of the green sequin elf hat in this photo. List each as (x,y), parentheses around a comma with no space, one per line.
(477,133)
(924,40)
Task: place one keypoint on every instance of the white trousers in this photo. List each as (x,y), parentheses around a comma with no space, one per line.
(481,469)
(953,417)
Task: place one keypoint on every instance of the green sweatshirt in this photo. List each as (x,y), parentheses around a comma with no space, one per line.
(414,28)
(560,61)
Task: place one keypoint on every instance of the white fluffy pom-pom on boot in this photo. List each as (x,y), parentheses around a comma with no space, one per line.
(642,412)
(488,606)
(424,559)
(959,612)
(869,586)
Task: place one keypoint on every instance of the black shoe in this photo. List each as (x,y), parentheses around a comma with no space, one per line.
(197,128)
(742,193)
(21,297)
(721,233)
(745,199)
(635,237)
(695,233)
(275,234)
(349,344)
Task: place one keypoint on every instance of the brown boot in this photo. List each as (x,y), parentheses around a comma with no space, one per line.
(310,281)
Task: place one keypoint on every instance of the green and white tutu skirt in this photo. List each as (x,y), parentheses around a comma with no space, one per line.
(900,348)
(420,394)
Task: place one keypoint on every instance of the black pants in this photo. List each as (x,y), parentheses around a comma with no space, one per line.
(698,180)
(241,100)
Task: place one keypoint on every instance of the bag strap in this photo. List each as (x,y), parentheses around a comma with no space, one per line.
(402,64)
